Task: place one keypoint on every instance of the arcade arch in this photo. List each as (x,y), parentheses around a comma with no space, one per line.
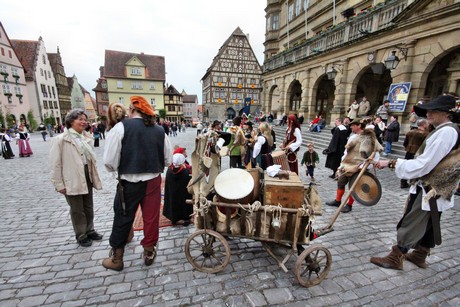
(274,103)
(373,82)
(231,113)
(295,95)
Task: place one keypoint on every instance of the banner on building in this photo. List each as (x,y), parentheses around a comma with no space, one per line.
(398,95)
(246,106)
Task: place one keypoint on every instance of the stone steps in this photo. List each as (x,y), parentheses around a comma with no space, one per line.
(323,138)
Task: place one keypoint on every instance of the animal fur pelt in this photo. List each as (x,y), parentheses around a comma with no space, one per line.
(358,150)
(444,178)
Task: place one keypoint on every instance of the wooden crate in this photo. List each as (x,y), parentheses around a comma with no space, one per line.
(288,193)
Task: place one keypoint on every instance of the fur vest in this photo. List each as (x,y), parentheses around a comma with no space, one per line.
(359,149)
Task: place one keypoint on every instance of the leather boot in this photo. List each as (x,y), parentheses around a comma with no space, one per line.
(130,236)
(149,255)
(394,260)
(418,256)
(115,260)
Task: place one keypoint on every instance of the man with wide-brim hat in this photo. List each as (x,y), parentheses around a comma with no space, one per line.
(352,158)
(138,149)
(432,186)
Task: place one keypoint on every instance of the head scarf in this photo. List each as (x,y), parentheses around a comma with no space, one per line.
(178,159)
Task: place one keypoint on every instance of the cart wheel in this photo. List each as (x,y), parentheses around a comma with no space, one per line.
(313,265)
(207,251)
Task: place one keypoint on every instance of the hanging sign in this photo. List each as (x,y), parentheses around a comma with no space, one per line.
(398,95)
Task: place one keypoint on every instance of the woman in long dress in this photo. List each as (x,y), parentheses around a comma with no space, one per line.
(22,139)
(292,143)
(263,146)
(5,138)
(177,178)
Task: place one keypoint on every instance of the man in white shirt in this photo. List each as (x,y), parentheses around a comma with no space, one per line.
(419,228)
(138,149)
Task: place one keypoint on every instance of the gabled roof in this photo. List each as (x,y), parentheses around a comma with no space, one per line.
(190,99)
(171,90)
(99,87)
(237,32)
(115,61)
(26,52)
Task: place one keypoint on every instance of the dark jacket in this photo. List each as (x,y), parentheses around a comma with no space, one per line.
(336,148)
(392,132)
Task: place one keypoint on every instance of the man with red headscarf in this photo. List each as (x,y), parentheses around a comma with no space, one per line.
(138,149)
(292,142)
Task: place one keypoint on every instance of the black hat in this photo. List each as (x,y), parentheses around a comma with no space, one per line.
(249,123)
(444,103)
(216,123)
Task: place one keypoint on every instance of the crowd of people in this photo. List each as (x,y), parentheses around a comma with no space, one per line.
(139,162)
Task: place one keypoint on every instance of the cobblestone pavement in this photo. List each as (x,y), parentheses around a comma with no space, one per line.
(41,264)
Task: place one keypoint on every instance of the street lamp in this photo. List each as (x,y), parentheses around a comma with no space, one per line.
(392,61)
(331,73)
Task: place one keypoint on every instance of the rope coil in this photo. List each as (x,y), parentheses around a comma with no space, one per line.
(254,207)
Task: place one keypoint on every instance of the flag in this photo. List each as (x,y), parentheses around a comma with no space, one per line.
(246,106)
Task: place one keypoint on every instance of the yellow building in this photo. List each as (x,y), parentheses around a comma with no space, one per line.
(321,55)
(129,74)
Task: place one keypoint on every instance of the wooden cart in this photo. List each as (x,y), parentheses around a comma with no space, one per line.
(208,251)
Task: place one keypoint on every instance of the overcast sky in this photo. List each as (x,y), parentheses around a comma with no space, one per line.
(188,33)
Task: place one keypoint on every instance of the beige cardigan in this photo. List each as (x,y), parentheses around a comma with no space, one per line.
(67,169)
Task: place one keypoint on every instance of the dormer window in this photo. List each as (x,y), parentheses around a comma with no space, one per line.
(136,71)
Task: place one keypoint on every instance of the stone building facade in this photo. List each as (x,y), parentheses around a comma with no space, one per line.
(319,58)
(232,79)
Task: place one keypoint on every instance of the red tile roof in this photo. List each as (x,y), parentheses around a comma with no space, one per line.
(115,61)
(26,51)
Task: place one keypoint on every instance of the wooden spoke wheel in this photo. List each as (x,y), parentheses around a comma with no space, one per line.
(207,251)
(313,265)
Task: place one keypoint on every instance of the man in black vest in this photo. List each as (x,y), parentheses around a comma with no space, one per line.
(139,150)
(432,188)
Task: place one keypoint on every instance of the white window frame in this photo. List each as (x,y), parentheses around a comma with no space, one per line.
(291,11)
(6,88)
(3,68)
(136,85)
(136,71)
(120,84)
(298,7)
(275,23)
